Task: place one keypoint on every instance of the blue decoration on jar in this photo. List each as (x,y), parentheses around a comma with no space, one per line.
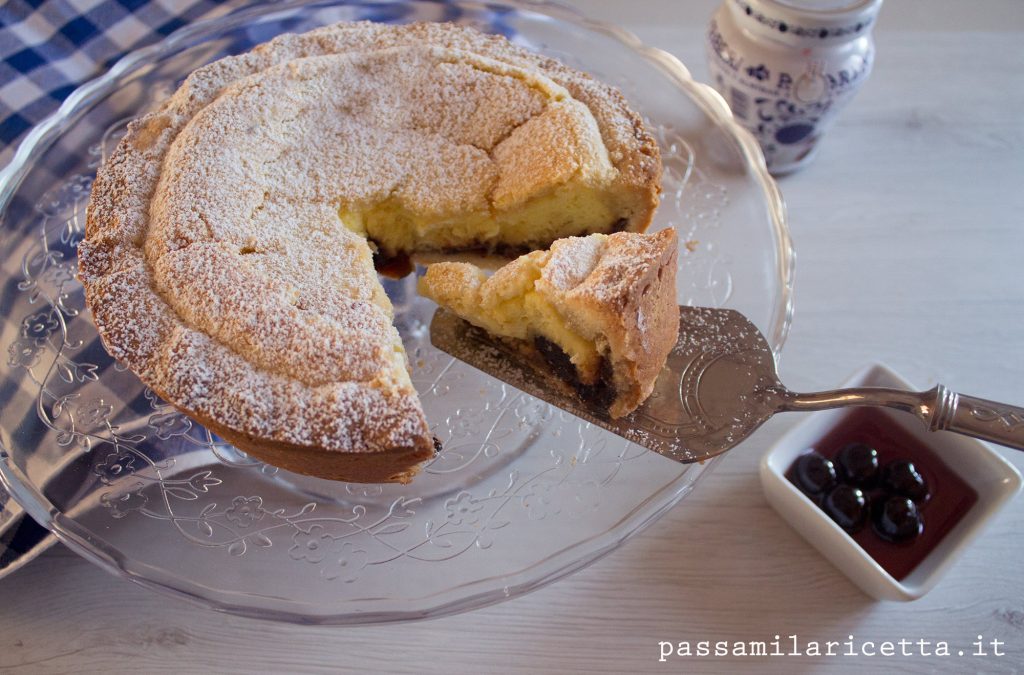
(759,73)
(794,133)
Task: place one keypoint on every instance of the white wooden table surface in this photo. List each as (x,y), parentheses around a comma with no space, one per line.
(910,237)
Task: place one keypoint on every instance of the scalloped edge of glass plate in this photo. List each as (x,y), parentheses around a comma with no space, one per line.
(479,592)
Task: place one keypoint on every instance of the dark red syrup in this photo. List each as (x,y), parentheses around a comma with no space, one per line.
(949,496)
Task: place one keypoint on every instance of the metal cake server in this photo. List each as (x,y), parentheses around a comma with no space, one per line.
(718,386)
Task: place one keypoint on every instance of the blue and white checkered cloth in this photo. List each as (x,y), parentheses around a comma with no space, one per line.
(47,49)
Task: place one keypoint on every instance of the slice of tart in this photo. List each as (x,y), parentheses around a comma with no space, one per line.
(600,310)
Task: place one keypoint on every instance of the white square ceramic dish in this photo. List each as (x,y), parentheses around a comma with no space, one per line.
(995,480)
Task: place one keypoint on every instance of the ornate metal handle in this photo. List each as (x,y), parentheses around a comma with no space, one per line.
(939,408)
(988,420)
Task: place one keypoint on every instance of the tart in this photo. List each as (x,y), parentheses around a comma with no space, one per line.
(231,237)
(600,311)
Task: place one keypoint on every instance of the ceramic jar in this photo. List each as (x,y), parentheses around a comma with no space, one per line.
(787,67)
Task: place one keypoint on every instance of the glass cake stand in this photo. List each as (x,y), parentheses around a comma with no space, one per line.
(522,494)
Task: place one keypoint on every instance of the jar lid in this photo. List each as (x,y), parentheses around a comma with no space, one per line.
(806,22)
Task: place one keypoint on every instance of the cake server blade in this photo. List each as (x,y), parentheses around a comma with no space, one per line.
(719,384)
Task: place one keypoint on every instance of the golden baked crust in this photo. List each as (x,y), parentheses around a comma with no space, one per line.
(602,299)
(215,262)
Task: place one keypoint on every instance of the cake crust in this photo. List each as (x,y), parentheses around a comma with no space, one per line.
(279,338)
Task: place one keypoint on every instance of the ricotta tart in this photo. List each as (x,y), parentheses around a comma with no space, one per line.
(231,238)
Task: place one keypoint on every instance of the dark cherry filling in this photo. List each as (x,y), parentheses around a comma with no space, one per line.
(393,267)
(400,265)
(601,394)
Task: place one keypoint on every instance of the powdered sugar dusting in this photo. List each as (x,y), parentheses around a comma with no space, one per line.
(572,260)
